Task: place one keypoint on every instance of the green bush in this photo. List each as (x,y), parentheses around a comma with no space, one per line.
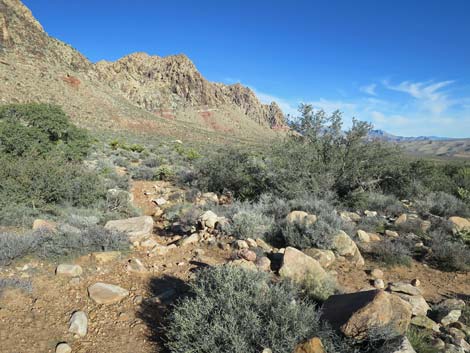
(40,129)
(38,181)
(374,201)
(244,312)
(442,204)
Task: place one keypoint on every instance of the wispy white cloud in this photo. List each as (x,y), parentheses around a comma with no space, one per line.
(369,89)
(427,108)
(429,93)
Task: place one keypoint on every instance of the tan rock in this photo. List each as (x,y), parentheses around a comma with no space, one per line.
(301,217)
(313,345)
(44,225)
(137,228)
(324,257)
(357,314)
(363,236)
(391,233)
(297,266)
(460,223)
(401,220)
(343,245)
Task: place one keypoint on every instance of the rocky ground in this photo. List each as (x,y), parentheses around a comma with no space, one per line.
(155,271)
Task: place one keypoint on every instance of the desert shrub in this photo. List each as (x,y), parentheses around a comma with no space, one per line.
(143,173)
(392,252)
(319,290)
(449,252)
(37,181)
(372,224)
(66,242)
(442,204)
(244,312)
(421,340)
(15,283)
(319,234)
(14,246)
(40,129)
(374,201)
(121,161)
(319,159)
(151,162)
(241,171)
(118,202)
(165,172)
(248,221)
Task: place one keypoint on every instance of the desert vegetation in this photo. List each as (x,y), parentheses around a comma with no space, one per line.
(322,190)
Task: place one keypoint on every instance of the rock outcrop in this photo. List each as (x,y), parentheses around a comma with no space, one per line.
(128,93)
(167,83)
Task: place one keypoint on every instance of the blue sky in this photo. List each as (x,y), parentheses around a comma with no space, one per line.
(404,65)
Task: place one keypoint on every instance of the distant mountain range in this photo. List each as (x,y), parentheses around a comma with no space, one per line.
(385,136)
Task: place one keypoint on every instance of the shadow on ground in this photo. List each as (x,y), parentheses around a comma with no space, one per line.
(164,292)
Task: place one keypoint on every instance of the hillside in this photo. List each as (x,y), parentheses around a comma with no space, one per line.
(140,93)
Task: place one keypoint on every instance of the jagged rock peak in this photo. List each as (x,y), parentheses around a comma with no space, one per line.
(155,82)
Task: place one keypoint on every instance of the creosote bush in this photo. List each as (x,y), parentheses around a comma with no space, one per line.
(249,221)
(234,310)
(442,204)
(393,252)
(66,242)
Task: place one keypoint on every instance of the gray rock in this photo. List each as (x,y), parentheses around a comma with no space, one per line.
(137,228)
(451,317)
(63,348)
(136,266)
(69,270)
(192,239)
(104,293)
(405,288)
(78,323)
(418,303)
(425,322)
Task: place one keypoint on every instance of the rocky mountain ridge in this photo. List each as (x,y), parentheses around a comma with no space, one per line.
(37,67)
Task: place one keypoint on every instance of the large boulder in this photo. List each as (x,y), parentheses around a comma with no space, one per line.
(298,266)
(460,223)
(343,245)
(359,315)
(137,228)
